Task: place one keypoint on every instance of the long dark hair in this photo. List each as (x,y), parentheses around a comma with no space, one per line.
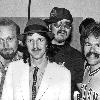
(26,55)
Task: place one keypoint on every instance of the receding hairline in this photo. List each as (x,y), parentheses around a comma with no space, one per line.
(8,22)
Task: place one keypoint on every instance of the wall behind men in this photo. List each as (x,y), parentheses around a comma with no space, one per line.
(42,8)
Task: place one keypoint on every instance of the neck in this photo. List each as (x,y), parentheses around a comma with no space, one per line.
(57,43)
(95,67)
(39,62)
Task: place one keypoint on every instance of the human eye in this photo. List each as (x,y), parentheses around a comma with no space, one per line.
(10,39)
(30,41)
(56,25)
(87,44)
(98,45)
(41,39)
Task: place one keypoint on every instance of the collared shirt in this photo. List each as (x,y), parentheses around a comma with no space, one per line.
(40,74)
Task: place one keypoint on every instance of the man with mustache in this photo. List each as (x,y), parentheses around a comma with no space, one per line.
(91,81)
(60,25)
(9,32)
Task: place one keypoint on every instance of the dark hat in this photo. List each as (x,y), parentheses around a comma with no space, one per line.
(35,25)
(57,14)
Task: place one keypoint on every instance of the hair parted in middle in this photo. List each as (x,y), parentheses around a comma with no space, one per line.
(26,55)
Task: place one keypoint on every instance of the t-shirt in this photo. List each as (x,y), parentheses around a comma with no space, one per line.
(88,95)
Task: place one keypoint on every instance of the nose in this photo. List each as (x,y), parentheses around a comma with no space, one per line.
(35,45)
(5,44)
(62,27)
(92,49)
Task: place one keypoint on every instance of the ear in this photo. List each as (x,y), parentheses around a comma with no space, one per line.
(50,27)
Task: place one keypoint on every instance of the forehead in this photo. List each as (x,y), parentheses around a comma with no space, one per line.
(93,40)
(34,36)
(6,31)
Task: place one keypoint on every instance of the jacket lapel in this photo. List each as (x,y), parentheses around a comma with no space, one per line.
(45,84)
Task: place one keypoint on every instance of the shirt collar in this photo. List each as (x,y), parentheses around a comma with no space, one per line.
(41,67)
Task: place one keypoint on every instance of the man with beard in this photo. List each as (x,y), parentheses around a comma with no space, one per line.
(91,80)
(9,35)
(9,32)
(60,25)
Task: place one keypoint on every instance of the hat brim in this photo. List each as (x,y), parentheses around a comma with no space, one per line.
(20,37)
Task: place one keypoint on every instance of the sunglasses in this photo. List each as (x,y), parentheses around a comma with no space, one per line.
(60,24)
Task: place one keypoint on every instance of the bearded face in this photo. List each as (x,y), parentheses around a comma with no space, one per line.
(61,30)
(92,50)
(8,42)
(8,53)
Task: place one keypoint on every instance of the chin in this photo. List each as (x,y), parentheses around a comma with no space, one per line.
(37,56)
(93,63)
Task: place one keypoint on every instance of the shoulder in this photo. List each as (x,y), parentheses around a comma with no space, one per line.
(18,65)
(59,69)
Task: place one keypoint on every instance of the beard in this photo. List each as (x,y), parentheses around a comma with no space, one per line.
(62,34)
(8,54)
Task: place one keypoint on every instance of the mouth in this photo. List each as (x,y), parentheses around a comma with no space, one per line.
(38,50)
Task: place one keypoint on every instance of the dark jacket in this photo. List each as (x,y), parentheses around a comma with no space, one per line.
(73,60)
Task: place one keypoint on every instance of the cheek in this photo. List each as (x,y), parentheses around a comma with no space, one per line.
(14,44)
(86,49)
(54,30)
(98,50)
(29,46)
(42,46)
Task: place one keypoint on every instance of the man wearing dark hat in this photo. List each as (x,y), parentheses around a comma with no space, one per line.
(36,78)
(60,24)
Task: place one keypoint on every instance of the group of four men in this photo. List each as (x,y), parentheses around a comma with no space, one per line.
(50,68)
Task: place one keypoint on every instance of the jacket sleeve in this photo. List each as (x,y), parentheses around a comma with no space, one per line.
(65,93)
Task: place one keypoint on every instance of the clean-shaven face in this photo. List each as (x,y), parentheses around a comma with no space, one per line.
(61,30)
(8,42)
(36,45)
(92,50)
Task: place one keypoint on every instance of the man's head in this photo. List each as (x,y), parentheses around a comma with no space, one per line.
(84,24)
(60,23)
(91,40)
(36,38)
(9,32)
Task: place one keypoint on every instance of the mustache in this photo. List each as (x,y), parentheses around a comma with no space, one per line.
(90,53)
(61,31)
